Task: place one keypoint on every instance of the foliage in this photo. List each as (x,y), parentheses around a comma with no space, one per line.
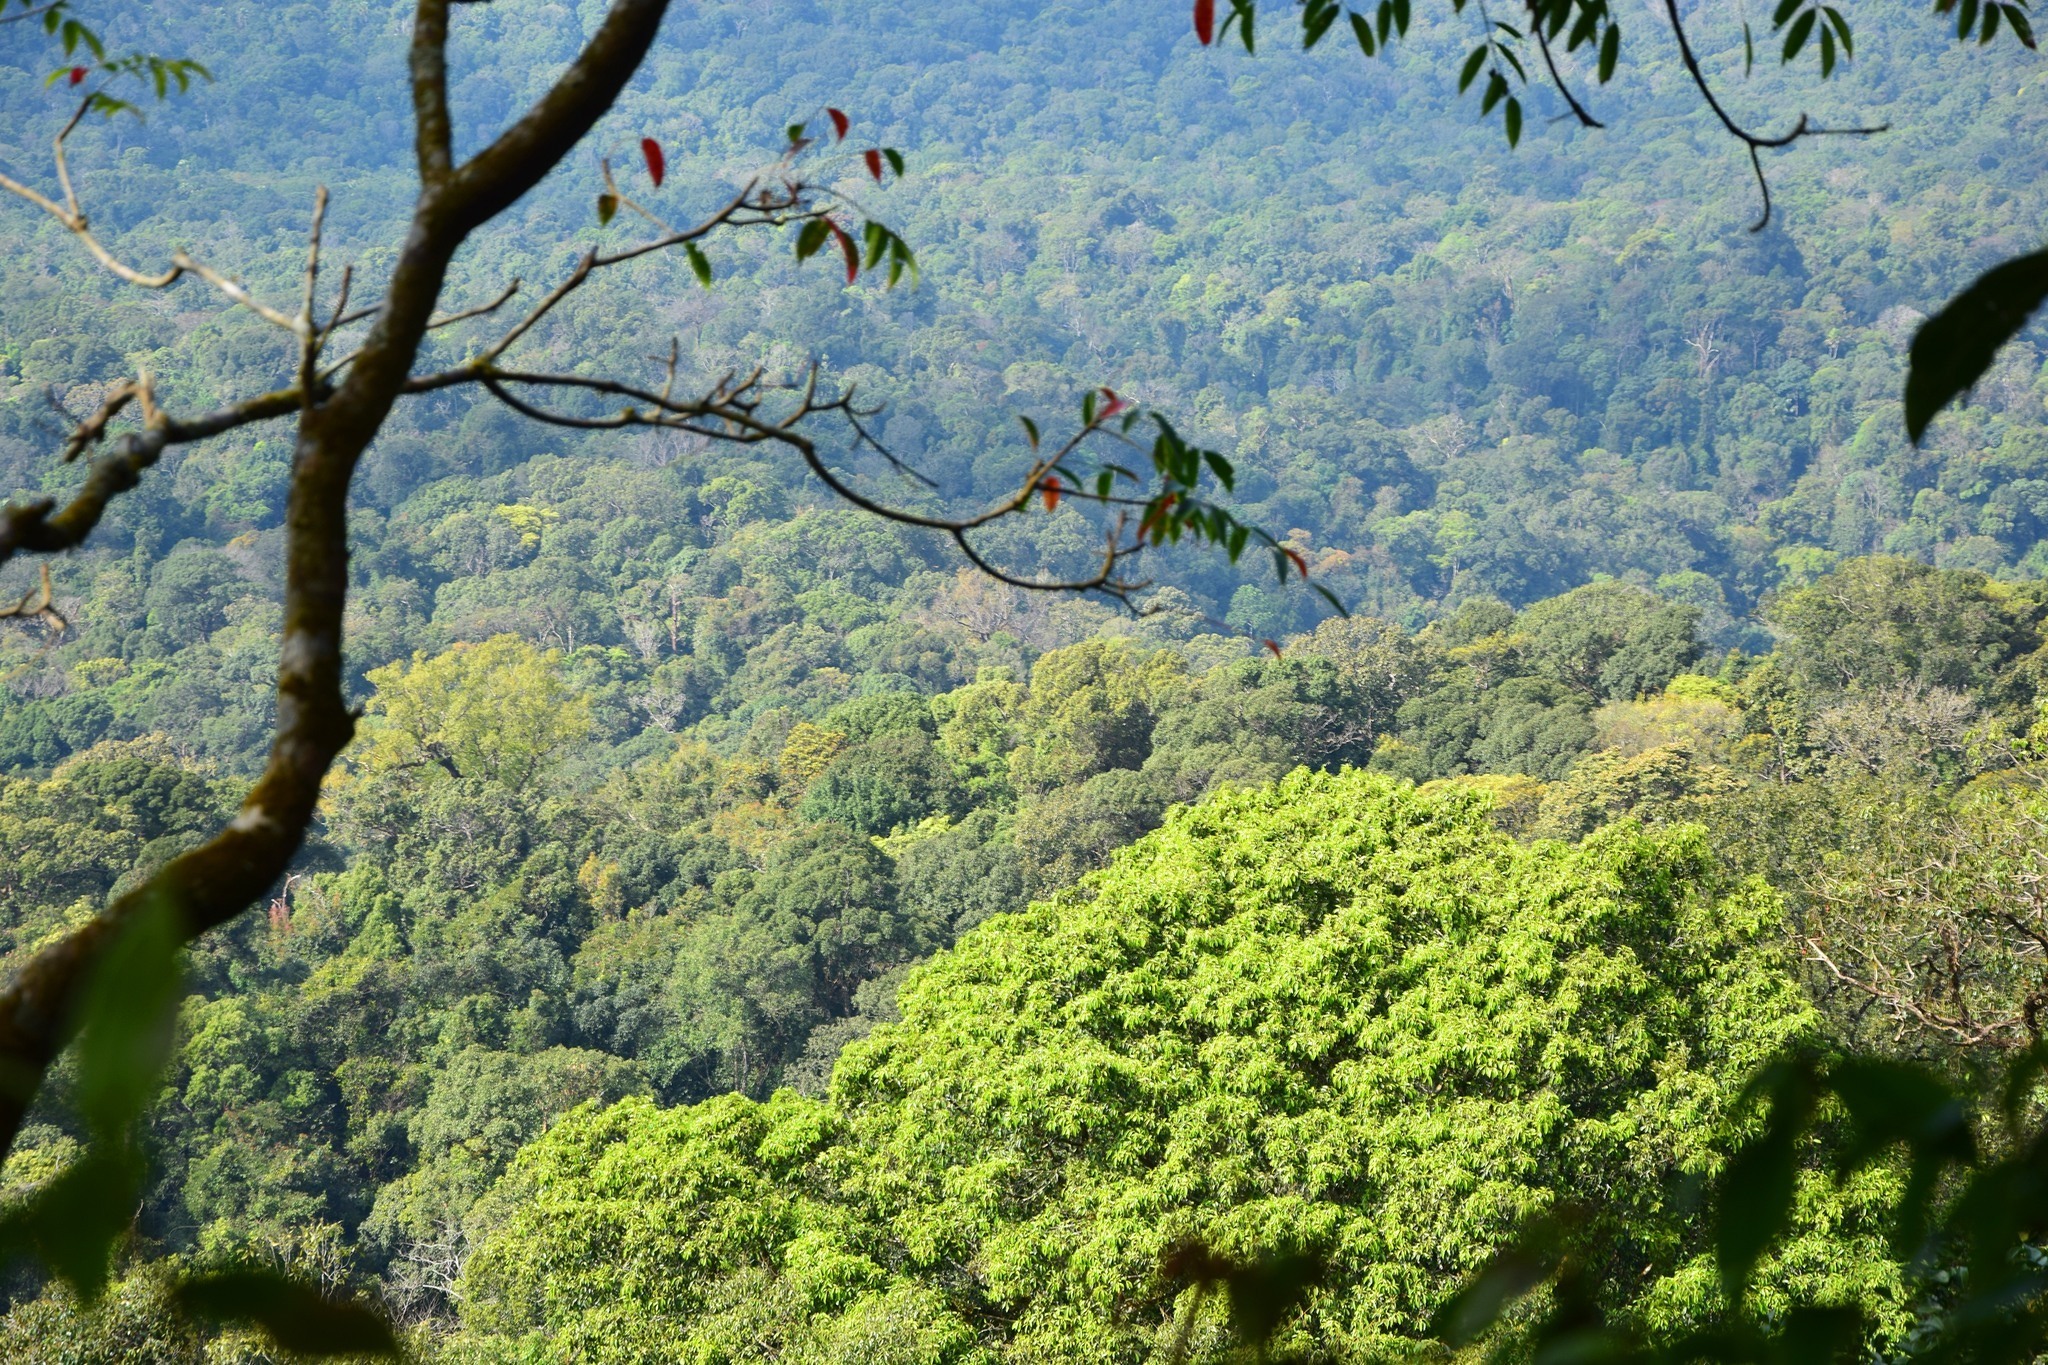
(670,772)
(1330,1017)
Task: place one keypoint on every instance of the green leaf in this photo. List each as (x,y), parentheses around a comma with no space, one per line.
(700,264)
(1316,19)
(607,206)
(1262,1296)
(1225,472)
(895,160)
(1756,1187)
(1030,431)
(2016,20)
(129,1018)
(1496,91)
(1819,1336)
(1401,16)
(1966,18)
(1505,1281)
(1331,598)
(1748,50)
(296,1316)
(1896,1102)
(1842,30)
(1802,27)
(1470,71)
(1827,52)
(1783,14)
(1954,348)
(1610,52)
(1363,31)
(1513,119)
(811,239)
(72,1223)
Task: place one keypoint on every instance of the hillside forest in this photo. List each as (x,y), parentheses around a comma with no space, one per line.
(741,930)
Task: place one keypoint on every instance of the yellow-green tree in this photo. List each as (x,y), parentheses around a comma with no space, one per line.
(498,711)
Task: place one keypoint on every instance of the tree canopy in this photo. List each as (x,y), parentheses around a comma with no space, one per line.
(1328,1015)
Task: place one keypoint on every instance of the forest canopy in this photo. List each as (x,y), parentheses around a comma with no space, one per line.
(1331,1015)
(741,926)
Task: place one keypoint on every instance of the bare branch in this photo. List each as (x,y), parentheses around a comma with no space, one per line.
(481,310)
(75,221)
(348,279)
(223,877)
(1756,143)
(731,412)
(39,602)
(1557,79)
(93,429)
(311,335)
(235,292)
(1900,1003)
(41,527)
(342,319)
(751,207)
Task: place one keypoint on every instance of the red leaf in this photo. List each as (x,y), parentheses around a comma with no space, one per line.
(1275,648)
(1051,490)
(840,122)
(846,248)
(1116,404)
(1205,26)
(77,75)
(873,157)
(1299,563)
(657,164)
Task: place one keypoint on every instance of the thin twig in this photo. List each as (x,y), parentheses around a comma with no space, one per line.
(1585,118)
(310,333)
(39,602)
(236,292)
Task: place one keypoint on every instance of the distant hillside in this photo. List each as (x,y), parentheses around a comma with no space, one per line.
(1451,368)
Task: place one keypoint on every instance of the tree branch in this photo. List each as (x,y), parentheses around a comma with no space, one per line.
(217,881)
(514,163)
(40,527)
(731,412)
(1579,110)
(1756,143)
(433,134)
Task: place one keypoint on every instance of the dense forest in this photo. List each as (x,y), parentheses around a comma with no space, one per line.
(743,931)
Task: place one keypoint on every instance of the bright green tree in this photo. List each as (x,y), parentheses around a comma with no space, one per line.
(1332,1016)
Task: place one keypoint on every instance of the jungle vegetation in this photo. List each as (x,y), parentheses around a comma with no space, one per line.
(737,926)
